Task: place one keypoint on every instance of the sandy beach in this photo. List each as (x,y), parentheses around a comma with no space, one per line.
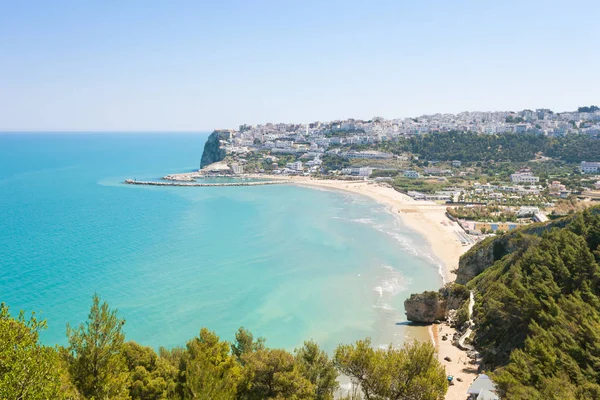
(458,366)
(428,219)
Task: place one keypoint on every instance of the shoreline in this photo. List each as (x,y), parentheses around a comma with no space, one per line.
(430,221)
(426,218)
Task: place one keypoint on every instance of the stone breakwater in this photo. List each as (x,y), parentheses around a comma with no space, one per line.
(154,183)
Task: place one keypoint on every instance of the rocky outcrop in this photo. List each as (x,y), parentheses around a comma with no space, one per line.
(425,307)
(430,306)
(213,152)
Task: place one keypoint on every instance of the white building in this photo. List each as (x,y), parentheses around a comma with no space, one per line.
(362,171)
(367,154)
(296,166)
(365,171)
(237,168)
(314,163)
(435,197)
(411,174)
(527,211)
(524,177)
(590,167)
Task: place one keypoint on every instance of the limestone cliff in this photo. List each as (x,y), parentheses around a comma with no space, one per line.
(430,306)
(425,307)
(213,152)
(485,254)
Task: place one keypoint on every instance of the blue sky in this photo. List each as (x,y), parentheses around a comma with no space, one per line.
(194,65)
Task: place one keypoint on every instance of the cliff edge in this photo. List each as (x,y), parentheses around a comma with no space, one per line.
(430,306)
(213,152)
(484,254)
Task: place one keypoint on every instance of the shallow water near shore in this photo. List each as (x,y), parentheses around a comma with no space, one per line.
(289,263)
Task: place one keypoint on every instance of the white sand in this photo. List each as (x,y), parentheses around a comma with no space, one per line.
(459,366)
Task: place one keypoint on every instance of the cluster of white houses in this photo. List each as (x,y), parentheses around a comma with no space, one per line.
(318,137)
(377,129)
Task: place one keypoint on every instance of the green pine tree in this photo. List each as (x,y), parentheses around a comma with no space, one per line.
(97,365)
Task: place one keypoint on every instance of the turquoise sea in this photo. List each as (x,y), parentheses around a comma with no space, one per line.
(289,263)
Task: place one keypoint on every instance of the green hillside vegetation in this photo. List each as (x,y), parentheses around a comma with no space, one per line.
(99,364)
(537,311)
(474,147)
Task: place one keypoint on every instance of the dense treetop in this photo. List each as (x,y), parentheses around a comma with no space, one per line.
(538,312)
(472,147)
(589,109)
(100,364)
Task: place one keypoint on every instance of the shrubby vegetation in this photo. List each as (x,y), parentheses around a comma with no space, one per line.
(483,213)
(589,109)
(333,162)
(403,184)
(538,313)
(27,369)
(99,364)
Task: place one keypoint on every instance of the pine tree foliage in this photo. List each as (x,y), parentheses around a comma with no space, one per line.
(318,369)
(208,370)
(412,372)
(97,363)
(538,314)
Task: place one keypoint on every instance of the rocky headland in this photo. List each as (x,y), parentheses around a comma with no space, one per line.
(213,152)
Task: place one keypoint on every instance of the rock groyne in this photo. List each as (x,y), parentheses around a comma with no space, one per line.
(174,183)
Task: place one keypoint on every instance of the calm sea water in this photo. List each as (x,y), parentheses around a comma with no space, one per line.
(288,263)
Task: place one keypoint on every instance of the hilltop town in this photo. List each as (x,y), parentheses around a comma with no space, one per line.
(494,170)
(586,120)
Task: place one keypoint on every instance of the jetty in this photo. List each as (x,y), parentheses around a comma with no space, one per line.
(196,184)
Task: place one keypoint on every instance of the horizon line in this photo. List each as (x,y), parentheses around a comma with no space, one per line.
(71,130)
(100,131)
